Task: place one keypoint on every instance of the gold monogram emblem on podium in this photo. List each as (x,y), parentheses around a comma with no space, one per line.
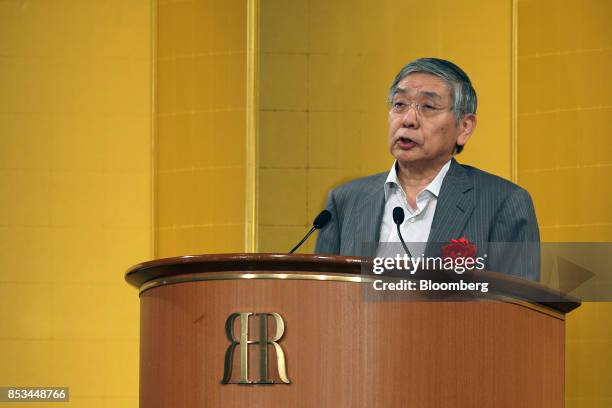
(263,341)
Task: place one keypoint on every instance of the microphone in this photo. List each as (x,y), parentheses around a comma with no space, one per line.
(398,219)
(319,222)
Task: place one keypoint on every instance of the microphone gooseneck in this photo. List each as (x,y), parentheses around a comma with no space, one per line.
(319,222)
(398,219)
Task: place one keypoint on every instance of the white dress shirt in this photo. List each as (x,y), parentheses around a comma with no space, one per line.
(417,222)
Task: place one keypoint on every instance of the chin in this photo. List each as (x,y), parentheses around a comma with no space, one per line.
(405,157)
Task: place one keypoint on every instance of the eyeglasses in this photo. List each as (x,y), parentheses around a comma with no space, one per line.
(426,110)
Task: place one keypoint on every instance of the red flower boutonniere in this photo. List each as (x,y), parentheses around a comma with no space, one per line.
(459,248)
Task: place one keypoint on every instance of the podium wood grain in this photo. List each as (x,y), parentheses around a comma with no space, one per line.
(342,351)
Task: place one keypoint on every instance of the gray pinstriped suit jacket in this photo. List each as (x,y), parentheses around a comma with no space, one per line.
(473,204)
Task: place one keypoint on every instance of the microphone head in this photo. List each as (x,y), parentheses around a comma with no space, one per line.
(322,219)
(398,215)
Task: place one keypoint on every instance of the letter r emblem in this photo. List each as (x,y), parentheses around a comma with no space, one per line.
(263,342)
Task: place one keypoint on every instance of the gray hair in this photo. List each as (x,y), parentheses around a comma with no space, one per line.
(462,92)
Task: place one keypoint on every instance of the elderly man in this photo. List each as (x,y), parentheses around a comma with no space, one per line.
(432,115)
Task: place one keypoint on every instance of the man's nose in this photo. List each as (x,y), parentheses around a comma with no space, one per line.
(410,119)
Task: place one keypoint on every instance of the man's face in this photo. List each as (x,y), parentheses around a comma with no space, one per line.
(427,137)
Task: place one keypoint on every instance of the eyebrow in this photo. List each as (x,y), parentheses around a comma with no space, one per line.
(429,94)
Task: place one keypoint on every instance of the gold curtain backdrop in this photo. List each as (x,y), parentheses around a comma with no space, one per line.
(75,194)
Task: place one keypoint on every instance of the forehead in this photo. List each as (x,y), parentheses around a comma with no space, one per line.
(420,83)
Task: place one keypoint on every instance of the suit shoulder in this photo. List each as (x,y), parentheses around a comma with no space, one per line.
(364,183)
(490,182)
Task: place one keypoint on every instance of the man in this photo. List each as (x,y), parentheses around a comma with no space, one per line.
(431,118)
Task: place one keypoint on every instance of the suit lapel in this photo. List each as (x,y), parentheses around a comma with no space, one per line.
(454,207)
(368,215)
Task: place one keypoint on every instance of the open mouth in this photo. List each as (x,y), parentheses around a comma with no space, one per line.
(405,143)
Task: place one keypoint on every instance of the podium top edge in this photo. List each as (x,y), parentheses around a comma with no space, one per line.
(142,272)
(173,267)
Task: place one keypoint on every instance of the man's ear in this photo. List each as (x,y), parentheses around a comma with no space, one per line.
(467,126)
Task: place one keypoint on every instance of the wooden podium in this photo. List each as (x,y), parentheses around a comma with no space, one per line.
(340,349)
